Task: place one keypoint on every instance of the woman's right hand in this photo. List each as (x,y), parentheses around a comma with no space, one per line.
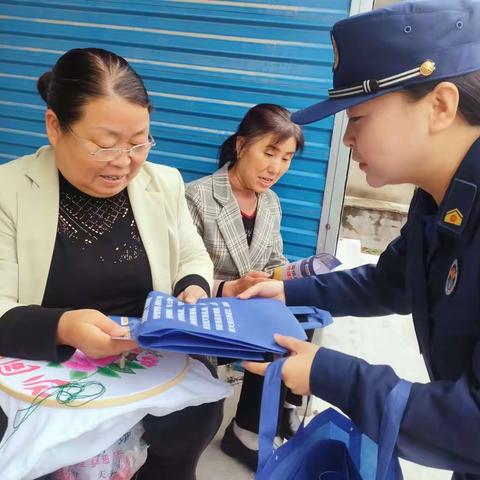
(90,331)
(271,289)
(232,288)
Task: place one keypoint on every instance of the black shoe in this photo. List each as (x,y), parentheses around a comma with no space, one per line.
(233,447)
(289,423)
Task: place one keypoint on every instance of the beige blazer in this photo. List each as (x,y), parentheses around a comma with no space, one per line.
(29,204)
(217,216)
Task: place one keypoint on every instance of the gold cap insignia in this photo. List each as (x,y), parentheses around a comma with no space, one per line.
(427,68)
(454,217)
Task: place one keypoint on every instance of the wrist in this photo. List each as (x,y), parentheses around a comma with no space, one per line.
(63,328)
(228,289)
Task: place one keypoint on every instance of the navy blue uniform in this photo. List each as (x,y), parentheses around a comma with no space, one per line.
(432,271)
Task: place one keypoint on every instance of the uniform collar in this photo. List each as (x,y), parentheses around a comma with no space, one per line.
(457,209)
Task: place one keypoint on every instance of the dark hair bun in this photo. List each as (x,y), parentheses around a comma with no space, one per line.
(42,85)
(82,74)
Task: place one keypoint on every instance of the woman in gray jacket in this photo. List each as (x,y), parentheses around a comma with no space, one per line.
(238,216)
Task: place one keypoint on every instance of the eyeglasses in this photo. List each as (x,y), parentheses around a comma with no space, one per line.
(137,152)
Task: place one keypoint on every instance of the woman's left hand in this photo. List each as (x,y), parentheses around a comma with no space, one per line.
(192,293)
(296,370)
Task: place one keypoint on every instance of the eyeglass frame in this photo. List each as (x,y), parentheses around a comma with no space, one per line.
(151,142)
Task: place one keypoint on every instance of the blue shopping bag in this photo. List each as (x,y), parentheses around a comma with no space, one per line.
(220,327)
(330,447)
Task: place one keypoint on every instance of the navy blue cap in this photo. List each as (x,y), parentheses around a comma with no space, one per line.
(395,47)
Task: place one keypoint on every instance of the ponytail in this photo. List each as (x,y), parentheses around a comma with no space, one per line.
(228,151)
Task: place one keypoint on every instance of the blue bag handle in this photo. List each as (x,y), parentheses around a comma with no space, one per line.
(317,318)
(269,412)
(393,411)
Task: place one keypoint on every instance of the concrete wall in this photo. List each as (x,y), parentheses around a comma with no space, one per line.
(358,187)
(383,3)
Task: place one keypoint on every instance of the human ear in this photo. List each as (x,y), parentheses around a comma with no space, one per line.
(443,105)
(240,143)
(52,125)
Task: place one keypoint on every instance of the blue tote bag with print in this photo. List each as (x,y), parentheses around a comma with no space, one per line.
(330,447)
(221,327)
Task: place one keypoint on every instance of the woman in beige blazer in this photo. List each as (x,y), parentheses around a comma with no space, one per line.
(238,216)
(88,228)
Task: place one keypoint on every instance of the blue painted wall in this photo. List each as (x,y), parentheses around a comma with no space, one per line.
(204,62)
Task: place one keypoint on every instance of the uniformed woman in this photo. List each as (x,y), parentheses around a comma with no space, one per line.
(410,83)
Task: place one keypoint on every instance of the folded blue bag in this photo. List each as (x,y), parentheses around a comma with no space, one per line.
(222,327)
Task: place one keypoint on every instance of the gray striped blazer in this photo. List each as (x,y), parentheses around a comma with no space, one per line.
(216,214)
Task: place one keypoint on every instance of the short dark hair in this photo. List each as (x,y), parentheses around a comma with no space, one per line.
(263,119)
(82,74)
(469,88)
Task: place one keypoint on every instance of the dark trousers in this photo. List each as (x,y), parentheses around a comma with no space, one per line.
(176,440)
(248,408)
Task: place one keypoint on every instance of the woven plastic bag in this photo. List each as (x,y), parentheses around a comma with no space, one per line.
(118,462)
